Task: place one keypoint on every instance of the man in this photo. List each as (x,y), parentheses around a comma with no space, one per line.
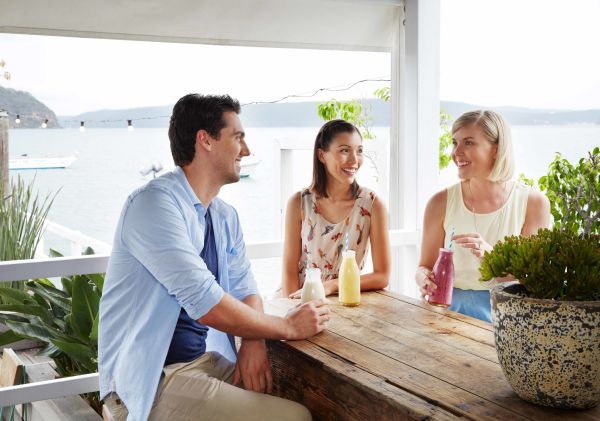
(179,266)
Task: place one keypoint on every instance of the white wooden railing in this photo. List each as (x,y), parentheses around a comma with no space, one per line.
(76,239)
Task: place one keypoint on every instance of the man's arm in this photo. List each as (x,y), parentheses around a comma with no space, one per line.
(252,366)
(239,319)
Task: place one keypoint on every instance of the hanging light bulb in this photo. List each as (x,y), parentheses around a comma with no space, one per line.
(82,127)
(45,124)
(18,119)
(130,125)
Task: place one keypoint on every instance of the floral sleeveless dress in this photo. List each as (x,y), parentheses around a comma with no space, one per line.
(323,242)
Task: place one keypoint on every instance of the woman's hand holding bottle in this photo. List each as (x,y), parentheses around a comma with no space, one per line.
(425,281)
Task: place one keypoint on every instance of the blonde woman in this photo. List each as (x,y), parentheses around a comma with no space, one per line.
(484,207)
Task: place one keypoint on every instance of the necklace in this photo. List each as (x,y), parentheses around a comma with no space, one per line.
(504,199)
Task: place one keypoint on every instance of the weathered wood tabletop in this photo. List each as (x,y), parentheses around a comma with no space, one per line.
(396,358)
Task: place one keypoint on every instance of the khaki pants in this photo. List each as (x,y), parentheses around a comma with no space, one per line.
(202,390)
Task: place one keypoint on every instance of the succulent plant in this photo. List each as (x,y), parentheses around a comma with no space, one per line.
(552,264)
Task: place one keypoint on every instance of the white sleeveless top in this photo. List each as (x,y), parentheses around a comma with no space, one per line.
(493,227)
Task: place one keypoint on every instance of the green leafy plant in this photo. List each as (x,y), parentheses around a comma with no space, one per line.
(445,139)
(552,264)
(562,263)
(64,320)
(352,111)
(525,180)
(23,214)
(574,193)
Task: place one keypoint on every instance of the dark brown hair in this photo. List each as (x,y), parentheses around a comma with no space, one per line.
(195,112)
(324,138)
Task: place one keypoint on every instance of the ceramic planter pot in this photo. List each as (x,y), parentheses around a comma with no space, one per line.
(549,350)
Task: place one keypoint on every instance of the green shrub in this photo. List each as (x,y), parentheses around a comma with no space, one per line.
(553,264)
(574,193)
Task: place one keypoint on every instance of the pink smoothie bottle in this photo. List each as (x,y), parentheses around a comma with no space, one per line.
(443,272)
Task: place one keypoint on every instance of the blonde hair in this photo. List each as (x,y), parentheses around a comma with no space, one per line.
(497,131)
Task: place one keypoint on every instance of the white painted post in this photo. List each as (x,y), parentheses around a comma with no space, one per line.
(397,194)
(284,155)
(415,127)
(4,151)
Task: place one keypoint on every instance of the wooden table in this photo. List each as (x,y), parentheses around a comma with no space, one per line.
(396,358)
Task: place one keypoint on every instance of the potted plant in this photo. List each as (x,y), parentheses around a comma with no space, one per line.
(547,325)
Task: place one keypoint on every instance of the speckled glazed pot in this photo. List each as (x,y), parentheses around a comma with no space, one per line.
(549,350)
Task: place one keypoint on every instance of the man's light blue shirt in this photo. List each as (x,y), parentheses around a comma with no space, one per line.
(154,270)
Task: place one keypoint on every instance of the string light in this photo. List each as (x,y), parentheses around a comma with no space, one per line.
(307,95)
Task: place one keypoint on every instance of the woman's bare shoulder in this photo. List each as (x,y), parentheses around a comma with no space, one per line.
(437,202)
(537,201)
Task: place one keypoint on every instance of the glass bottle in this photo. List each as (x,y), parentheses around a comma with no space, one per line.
(349,280)
(313,286)
(443,272)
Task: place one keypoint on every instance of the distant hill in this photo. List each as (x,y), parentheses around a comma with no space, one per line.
(304,114)
(529,116)
(31,111)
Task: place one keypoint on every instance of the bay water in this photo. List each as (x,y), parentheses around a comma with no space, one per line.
(91,192)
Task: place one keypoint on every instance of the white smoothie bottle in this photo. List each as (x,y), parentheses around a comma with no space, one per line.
(313,286)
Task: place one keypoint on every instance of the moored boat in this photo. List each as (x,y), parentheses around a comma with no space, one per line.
(40,162)
(249,163)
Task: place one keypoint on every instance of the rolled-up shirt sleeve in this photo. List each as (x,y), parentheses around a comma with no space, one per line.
(241,279)
(155,233)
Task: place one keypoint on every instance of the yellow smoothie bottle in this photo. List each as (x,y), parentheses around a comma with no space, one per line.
(349,280)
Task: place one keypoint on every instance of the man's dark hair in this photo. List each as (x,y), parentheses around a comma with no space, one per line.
(195,112)
(324,138)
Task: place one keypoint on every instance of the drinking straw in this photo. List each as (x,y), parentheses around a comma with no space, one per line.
(451,241)
(346,241)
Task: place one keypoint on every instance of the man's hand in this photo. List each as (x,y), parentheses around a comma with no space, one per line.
(307,319)
(252,367)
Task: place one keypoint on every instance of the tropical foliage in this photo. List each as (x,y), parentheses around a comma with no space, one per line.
(64,320)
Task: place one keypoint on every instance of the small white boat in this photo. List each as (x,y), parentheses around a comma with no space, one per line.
(248,164)
(40,162)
